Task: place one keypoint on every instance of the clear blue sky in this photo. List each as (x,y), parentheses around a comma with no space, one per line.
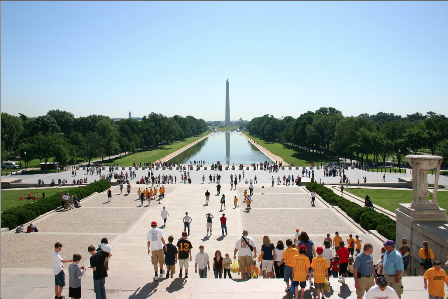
(174,58)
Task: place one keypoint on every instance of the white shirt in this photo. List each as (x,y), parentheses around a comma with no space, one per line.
(106,247)
(328,254)
(202,259)
(251,186)
(279,254)
(296,237)
(56,262)
(187,218)
(243,248)
(164,214)
(313,194)
(376,293)
(155,237)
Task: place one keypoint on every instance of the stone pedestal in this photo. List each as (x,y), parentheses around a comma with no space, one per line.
(423,219)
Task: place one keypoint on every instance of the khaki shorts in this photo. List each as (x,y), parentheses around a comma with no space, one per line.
(209,225)
(365,283)
(398,287)
(171,268)
(267,265)
(245,261)
(183,263)
(158,257)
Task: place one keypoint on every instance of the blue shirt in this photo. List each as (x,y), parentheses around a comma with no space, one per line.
(392,262)
(363,263)
(309,247)
(268,256)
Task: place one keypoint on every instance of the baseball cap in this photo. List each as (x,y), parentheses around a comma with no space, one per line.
(319,250)
(154,223)
(381,281)
(389,243)
(164,208)
(245,232)
(302,247)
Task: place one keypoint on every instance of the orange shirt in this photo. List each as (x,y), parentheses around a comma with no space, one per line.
(155,191)
(436,282)
(162,190)
(349,243)
(139,191)
(358,244)
(288,255)
(422,254)
(320,266)
(336,241)
(235,200)
(301,263)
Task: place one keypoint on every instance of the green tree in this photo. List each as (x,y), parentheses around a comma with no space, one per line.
(442,149)
(45,146)
(27,152)
(93,146)
(12,128)
(64,120)
(435,131)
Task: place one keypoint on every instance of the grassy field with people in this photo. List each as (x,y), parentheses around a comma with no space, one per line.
(154,154)
(389,199)
(291,154)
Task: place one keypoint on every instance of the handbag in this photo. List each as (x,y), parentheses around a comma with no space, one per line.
(327,285)
(234,267)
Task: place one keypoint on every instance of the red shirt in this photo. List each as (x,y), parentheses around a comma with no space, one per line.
(343,255)
(223,220)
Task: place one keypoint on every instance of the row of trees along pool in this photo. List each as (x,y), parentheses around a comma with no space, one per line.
(60,135)
(377,136)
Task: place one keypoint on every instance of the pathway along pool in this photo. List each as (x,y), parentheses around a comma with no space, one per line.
(226,147)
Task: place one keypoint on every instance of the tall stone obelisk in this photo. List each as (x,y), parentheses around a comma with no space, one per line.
(227,121)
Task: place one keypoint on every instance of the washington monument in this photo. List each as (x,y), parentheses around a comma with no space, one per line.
(227,121)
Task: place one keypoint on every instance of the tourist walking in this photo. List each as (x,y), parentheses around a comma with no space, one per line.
(58,270)
(223,220)
(247,250)
(406,253)
(426,256)
(343,254)
(328,253)
(170,257)
(156,243)
(320,268)
(227,263)
(98,260)
(393,267)
(268,255)
(217,264)
(209,217)
(288,258)
(364,271)
(279,269)
(187,220)
(381,290)
(313,197)
(336,240)
(433,281)
(301,265)
(184,254)
(202,261)
(218,188)
(251,189)
(272,181)
(351,244)
(223,201)
(109,195)
(207,197)
(305,240)
(164,215)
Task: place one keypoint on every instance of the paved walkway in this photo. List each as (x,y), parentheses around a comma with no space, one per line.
(276,211)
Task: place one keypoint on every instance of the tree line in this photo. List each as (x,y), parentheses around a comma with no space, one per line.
(60,135)
(381,135)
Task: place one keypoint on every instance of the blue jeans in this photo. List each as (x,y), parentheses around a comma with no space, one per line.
(203,273)
(224,228)
(187,225)
(99,288)
(288,273)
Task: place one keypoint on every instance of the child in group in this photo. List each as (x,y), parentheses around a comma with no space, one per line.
(170,257)
(75,274)
(235,202)
(254,270)
(320,266)
(350,267)
(379,264)
(301,265)
(104,246)
(248,202)
(335,266)
(227,262)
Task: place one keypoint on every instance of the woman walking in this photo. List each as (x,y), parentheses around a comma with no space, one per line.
(217,264)
(279,270)
(268,256)
(426,256)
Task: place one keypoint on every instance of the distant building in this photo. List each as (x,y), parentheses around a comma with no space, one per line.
(227,119)
(130,114)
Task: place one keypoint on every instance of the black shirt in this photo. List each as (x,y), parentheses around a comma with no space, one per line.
(170,254)
(97,261)
(207,193)
(184,248)
(218,265)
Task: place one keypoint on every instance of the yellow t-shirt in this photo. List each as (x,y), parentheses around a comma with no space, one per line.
(235,200)
(320,266)
(336,241)
(139,191)
(349,242)
(358,244)
(145,192)
(162,190)
(300,264)
(150,192)
(155,191)
(422,254)
(247,202)
(245,193)
(436,280)
(288,255)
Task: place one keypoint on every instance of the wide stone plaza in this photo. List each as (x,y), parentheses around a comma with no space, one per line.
(276,211)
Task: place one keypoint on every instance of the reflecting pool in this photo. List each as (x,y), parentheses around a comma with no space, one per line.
(226,147)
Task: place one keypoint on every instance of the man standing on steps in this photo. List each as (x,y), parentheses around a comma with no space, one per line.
(363,271)
(184,253)
(187,220)
(313,197)
(209,217)
(109,195)
(164,215)
(218,188)
(251,189)
(97,262)
(272,181)
(393,267)
(245,246)
(223,224)
(207,197)
(156,243)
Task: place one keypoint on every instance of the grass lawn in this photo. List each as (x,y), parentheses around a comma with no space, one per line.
(389,199)
(224,128)
(290,154)
(155,154)
(388,170)
(11,198)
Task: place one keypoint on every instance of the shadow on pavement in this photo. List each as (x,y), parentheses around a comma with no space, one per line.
(176,285)
(146,291)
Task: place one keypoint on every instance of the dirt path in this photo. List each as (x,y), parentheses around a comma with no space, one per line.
(266,152)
